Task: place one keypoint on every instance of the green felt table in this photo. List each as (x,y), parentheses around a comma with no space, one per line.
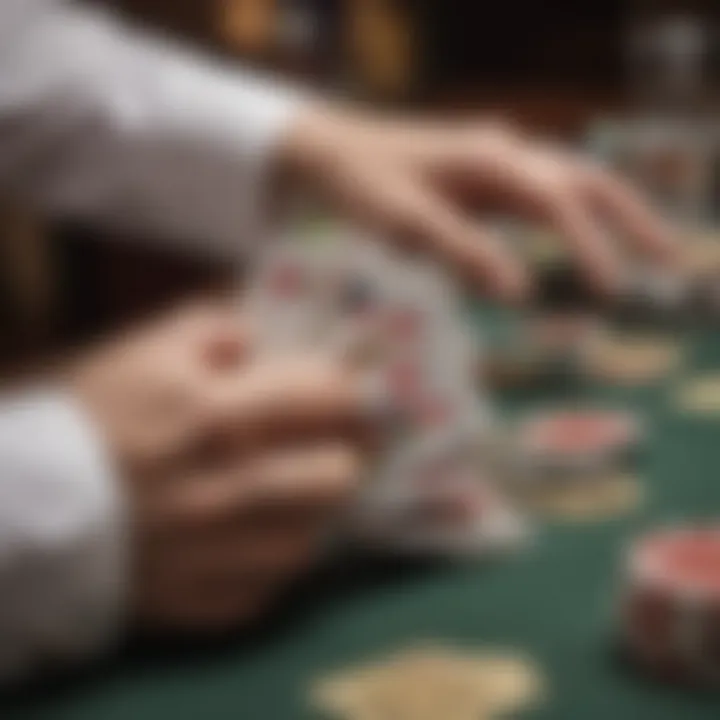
(553,601)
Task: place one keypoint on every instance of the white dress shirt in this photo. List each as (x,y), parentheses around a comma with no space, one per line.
(103,123)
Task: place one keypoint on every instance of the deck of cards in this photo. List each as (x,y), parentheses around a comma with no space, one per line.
(398,320)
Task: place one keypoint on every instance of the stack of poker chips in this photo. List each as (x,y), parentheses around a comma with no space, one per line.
(670,605)
(569,445)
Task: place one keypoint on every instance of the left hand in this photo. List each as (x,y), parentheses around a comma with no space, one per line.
(232,466)
(418,182)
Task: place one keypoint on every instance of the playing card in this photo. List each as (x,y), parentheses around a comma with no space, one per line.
(398,320)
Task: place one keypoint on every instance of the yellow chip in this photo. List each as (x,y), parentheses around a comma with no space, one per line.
(700,395)
(589,500)
(633,360)
(428,683)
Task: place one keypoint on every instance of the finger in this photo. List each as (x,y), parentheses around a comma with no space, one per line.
(632,216)
(426,221)
(310,482)
(199,319)
(272,554)
(302,398)
(591,248)
(306,479)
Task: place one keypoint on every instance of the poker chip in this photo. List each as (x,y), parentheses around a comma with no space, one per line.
(700,395)
(610,495)
(433,681)
(575,439)
(629,359)
(670,605)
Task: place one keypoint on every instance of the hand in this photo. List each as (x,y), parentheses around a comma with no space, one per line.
(417,181)
(233,468)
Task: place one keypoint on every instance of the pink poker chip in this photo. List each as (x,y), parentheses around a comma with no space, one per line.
(671,604)
(579,433)
(685,560)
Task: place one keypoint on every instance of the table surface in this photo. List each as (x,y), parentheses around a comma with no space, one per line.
(554,601)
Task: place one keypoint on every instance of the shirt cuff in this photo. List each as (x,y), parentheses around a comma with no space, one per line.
(62,536)
(144,135)
(210,135)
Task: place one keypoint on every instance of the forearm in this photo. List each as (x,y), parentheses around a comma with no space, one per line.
(62,536)
(104,124)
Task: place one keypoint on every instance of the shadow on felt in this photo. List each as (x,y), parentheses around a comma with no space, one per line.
(347,577)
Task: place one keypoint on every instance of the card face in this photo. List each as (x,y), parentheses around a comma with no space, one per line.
(398,321)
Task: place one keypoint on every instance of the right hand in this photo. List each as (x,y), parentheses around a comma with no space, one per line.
(234,468)
(423,183)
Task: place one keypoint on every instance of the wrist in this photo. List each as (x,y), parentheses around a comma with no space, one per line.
(315,138)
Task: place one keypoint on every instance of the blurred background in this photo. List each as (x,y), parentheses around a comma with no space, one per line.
(553,66)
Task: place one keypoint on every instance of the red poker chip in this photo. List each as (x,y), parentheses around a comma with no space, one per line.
(685,560)
(671,605)
(578,434)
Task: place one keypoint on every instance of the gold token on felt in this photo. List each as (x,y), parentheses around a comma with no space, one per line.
(633,360)
(429,683)
(587,500)
(700,395)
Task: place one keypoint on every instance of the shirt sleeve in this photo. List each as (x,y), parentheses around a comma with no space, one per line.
(104,123)
(62,536)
